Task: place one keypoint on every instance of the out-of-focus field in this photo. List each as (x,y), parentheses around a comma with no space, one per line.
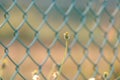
(39,54)
(18,53)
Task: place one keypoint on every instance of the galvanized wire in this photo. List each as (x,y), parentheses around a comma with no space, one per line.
(90,19)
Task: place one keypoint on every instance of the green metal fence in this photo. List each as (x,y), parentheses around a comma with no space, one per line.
(31,37)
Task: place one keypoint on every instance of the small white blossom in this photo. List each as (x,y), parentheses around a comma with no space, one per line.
(55,75)
(91,79)
(36,77)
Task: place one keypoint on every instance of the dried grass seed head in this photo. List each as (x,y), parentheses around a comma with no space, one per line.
(66,36)
(105,75)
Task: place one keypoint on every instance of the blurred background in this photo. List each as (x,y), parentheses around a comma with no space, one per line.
(31,37)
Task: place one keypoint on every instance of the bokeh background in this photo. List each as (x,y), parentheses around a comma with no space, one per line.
(31,37)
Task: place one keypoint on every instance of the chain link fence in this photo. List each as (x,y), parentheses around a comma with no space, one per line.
(31,37)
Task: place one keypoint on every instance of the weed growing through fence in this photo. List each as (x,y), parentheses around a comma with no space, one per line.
(55,74)
(67,38)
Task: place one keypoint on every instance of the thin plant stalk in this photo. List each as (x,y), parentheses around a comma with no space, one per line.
(67,37)
(50,74)
(60,70)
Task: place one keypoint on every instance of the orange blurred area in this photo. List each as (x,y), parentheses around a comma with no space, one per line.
(25,60)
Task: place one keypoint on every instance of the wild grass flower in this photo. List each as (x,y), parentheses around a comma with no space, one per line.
(105,75)
(35,75)
(67,38)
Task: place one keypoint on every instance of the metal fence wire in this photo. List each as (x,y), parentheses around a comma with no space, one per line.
(31,38)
